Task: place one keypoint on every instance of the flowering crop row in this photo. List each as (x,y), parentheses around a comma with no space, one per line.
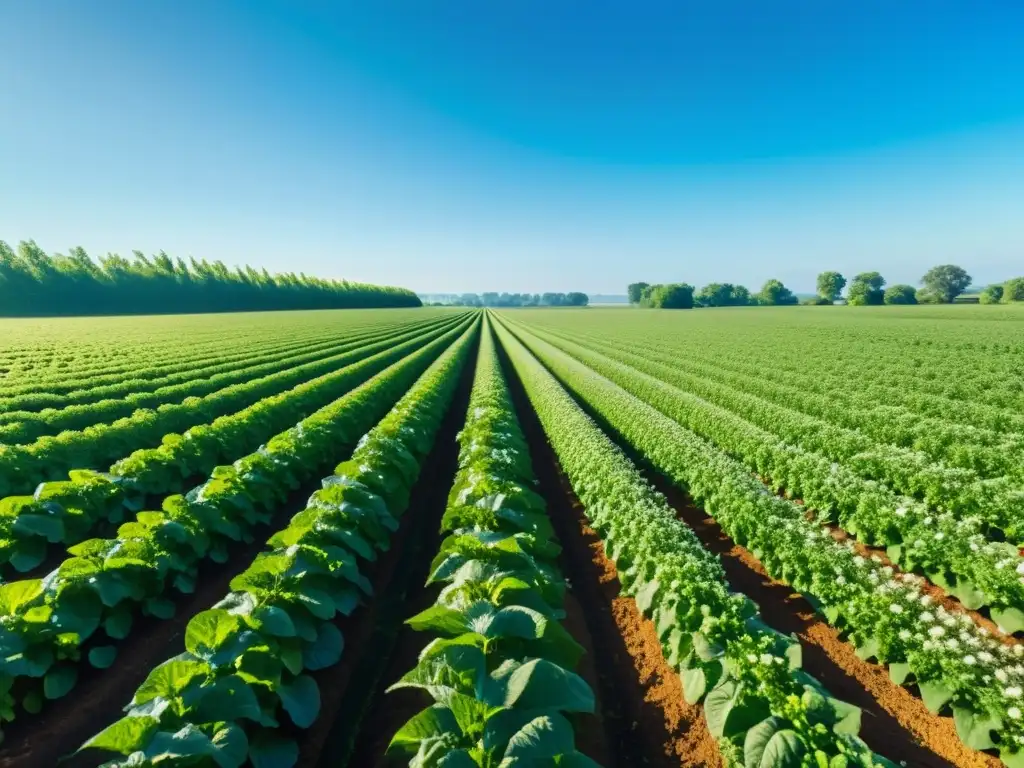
(759,704)
(954,552)
(957,666)
(499,670)
(990,453)
(66,511)
(107,582)
(246,661)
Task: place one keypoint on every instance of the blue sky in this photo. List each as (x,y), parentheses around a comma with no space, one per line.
(522,146)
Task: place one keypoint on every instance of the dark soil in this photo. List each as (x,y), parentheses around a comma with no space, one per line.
(357,717)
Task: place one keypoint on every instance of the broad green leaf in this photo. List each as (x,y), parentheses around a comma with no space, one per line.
(326,650)
(544,737)
(102,656)
(267,749)
(59,681)
(301,700)
(127,735)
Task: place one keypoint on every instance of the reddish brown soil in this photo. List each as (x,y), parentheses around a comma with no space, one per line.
(895,721)
(941,596)
(646,720)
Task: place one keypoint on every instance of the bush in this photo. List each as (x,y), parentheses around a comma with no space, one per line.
(1013,290)
(672,296)
(991,295)
(900,294)
(817,301)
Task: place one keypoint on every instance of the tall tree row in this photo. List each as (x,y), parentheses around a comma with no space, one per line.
(33,282)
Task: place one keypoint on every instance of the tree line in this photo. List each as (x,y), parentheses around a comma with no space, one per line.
(941,285)
(34,283)
(493,299)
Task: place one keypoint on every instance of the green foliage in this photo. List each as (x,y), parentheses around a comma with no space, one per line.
(722,295)
(635,292)
(947,282)
(756,699)
(992,294)
(774,293)
(830,286)
(244,669)
(499,670)
(1013,290)
(816,301)
(901,294)
(866,289)
(668,296)
(35,283)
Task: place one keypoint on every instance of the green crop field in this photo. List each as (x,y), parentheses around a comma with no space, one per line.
(764,537)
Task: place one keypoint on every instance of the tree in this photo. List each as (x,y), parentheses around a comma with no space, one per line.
(866,289)
(830,285)
(1013,290)
(577,299)
(993,294)
(774,293)
(647,296)
(947,281)
(722,295)
(672,296)
(635,291)
(901,294)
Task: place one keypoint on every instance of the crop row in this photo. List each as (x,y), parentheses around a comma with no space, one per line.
(953,551)
(956,665)
(499,669)
(996,503)
(170,358)
(987,452)
(106,582)
(23,467)
(244,671)
(759,704)
(66,511)
(19,427)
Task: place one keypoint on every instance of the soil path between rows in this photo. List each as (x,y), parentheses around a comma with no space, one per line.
(350,689)
(645,719)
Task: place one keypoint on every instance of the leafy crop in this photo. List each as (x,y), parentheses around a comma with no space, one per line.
(758,703)
(499,670)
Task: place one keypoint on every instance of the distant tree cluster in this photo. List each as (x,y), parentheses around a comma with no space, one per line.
(941,285)
(33,282)
(572,299)
(685,296)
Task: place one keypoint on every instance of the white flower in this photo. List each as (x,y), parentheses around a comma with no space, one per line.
(905,634)
(940,536)
(927,600)
(752,658)
(1001,675)
(840,580)
(969,660)
(974,547)
(926,617)
(936,632)
(901,511)
(1013,713)
(1018,650)
(1013,692)
(766,658)
(896,608)
(986,657)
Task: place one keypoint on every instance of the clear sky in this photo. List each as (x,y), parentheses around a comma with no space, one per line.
(521,145)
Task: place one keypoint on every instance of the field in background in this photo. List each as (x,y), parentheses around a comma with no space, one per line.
(759,536)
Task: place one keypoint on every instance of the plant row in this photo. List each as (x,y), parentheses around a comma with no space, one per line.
(956,664)
(499,669)
(988,453)
(954,552)
(23,467)
(245,671)
(760,706)
(19,427)
(66,511)
(92,597)
(91,375)
(995,502)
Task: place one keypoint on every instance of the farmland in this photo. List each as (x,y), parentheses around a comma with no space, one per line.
(524,537)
